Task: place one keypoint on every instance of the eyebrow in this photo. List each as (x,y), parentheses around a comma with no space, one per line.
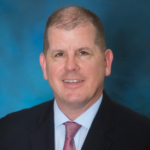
(56,50)
(84,48)
(79,49)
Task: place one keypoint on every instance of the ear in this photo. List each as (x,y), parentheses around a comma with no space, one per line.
(43,65)
(108,61)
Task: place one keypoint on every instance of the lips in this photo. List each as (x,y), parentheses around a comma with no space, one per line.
(72,81)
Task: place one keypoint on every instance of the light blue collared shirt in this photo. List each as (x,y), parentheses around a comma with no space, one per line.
(85,120)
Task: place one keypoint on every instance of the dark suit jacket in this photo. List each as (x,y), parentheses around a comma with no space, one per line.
(115,127)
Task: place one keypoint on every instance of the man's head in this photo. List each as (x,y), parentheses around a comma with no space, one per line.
(73,62)
(72,17)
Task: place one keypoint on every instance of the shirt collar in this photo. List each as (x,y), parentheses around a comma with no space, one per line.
(84,119)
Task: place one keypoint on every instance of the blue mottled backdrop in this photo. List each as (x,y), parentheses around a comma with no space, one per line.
(127,28)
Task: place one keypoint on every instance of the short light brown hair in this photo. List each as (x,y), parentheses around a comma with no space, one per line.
(68,18)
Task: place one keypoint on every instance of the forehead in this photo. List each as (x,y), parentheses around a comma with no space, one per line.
(79,36)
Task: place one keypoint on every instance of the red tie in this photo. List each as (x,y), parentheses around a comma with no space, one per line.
(71,130)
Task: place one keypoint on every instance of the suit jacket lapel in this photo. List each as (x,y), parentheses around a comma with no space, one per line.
(43,137)
(99,135)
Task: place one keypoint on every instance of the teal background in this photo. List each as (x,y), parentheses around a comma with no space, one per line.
(127,29)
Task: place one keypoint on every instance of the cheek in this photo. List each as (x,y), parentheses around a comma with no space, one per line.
(54,70)
(95,71)
(53,76)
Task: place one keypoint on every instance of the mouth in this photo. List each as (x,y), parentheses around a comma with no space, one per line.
(72,81)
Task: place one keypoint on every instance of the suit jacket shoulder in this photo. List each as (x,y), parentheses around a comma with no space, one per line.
(128,116)
(116,127)
(16,128)
(25,116)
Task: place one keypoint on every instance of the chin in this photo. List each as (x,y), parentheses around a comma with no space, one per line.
(73,97)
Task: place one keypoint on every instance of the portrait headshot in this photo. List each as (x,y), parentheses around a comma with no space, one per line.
(85,101)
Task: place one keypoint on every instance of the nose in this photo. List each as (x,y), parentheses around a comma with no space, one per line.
(71,63)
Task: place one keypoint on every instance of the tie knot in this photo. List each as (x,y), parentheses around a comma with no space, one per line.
(71,129)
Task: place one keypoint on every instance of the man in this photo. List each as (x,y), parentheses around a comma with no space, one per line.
(81,116)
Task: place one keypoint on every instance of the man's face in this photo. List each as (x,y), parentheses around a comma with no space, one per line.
(75,66)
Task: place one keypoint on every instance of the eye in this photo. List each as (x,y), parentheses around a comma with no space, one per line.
(84,53)
(59,54)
